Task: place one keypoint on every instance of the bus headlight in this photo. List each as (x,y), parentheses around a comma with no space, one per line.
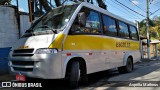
(46,51)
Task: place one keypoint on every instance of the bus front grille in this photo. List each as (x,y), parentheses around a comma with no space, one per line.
(23,55)
(23,69)
(23,52)
(24,66)
(23,63)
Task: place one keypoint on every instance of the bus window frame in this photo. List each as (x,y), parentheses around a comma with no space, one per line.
(102,14)
(100,29)
(119,30)
(136,31)
(129,31)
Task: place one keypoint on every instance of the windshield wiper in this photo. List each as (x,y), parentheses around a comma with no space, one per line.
(30,31)
(48,27)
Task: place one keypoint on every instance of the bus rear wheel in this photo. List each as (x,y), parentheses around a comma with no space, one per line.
(128,68)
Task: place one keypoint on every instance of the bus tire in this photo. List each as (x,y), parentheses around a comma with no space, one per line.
(128,68)
(129,65)
(83,75)
(75,74)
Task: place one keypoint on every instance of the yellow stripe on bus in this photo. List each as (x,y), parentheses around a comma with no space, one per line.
(96,42)
(57,43)
(93,42)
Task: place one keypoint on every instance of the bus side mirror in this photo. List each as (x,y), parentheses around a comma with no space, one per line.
(82,18)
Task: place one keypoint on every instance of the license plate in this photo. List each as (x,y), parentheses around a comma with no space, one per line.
(20,77)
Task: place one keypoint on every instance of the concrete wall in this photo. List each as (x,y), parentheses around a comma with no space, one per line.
(8,27)
(9,33)
(152,50)
(24,23)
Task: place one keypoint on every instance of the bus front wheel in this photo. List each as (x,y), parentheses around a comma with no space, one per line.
(75,74)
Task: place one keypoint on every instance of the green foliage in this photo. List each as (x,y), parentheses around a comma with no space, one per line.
(153,34)
(143,31)
(143,23)
(154,25)
(151,22)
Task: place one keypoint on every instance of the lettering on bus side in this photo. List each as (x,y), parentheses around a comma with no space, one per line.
(123,44)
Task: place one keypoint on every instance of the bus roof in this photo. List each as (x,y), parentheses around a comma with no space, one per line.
(91,6)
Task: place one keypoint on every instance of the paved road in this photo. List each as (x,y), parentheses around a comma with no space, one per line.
(145,73)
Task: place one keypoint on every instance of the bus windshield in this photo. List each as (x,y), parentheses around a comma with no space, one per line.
(53,20)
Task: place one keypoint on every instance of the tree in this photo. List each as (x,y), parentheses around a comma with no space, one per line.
(101,4)
(155,31)
(45,4)
(154,25)
(58,3)
(4,2)
(143,31)
(47,8)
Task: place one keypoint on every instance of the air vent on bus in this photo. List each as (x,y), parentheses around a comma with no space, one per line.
(23,52)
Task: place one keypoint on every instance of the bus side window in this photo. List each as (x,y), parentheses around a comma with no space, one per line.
(75,27)
(123,30)
(92,25)
(109,26)
(134,33)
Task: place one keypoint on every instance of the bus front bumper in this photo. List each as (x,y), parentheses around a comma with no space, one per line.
(44,66)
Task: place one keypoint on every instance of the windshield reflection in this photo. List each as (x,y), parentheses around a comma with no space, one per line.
(53,21)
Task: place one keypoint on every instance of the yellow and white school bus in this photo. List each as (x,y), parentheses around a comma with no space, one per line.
(72,41)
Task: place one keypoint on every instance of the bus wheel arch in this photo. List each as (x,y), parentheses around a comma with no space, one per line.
(83,69)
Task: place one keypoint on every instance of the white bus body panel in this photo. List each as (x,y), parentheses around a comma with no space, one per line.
(53,66)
